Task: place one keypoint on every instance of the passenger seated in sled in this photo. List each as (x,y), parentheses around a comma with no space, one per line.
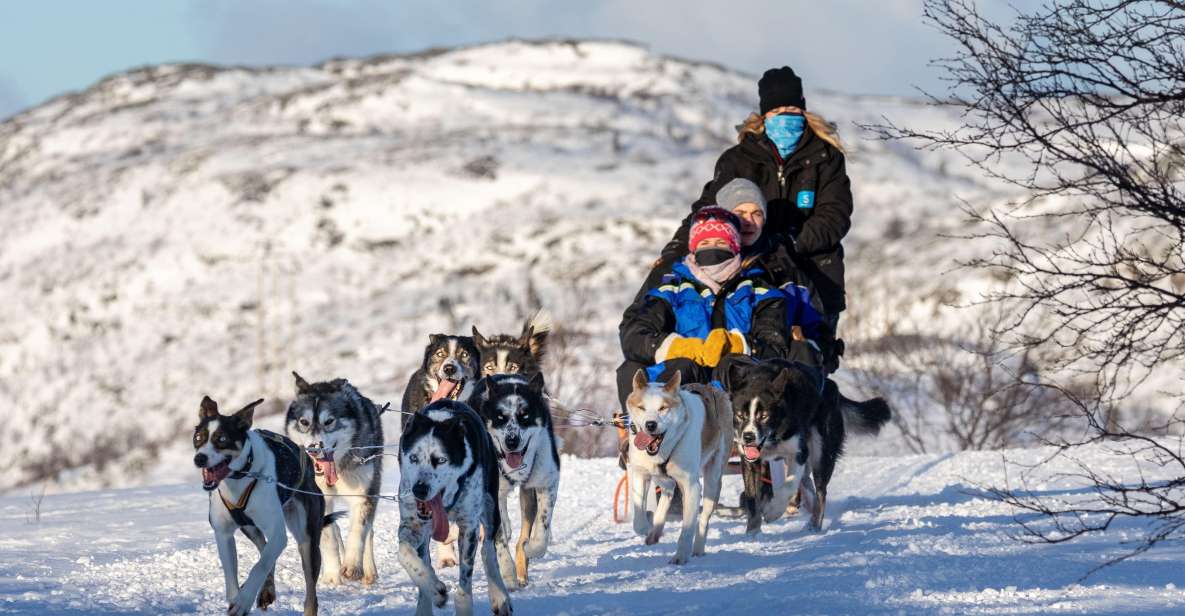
(709,305)
(766,262)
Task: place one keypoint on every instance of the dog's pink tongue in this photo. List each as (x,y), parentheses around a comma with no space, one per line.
(328,468)
(439,518)
(514,459)
(643,440)
(752,453)
(444,390)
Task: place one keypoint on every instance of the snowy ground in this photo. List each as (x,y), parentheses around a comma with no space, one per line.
(909,535)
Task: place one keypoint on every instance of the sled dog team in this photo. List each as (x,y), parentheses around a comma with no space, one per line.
(460,460)
(728,349)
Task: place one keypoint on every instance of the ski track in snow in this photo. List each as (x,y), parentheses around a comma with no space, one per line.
(908,535)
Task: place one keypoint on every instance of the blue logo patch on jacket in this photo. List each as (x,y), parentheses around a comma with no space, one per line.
(806,199)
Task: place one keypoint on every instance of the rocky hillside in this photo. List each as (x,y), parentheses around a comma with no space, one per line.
(179,230)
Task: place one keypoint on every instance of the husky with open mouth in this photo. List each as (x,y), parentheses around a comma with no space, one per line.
(449,370)
(519,421)
(780,415)
(449,473)
(341,433)
(681,434)
(249,475)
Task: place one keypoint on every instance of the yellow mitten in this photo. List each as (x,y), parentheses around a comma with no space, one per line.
(721,342)
(677,346)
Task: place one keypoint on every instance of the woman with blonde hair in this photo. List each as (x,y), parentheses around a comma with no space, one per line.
(796,159)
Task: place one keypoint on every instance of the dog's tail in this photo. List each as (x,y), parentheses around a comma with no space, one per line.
(540,325)
(866,417)
(333,517)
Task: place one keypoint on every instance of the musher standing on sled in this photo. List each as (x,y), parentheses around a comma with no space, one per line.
(796,159)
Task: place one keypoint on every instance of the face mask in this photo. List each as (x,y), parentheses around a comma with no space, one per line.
(785,131)
(712,256)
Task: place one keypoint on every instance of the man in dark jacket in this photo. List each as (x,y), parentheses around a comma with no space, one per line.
(797,163)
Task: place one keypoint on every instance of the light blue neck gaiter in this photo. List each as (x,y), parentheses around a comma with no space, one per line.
(785,131)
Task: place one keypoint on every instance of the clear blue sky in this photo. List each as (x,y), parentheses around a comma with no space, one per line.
(48,47)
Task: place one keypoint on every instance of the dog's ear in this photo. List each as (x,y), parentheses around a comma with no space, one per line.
(338,383)
(451,425)
(478,339)
(780,381)
(208,408)
(525,339)
(536,383)
(640,380)
(672,385)
(434,338)
(539,345)
(246,415)
(302,386)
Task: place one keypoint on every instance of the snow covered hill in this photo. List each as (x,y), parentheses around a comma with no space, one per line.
(905,535)
(182,230)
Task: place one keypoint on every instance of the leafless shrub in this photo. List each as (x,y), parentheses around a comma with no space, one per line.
(1081,103)
(576,375)
(968,392)
(36,498)
(1107,497)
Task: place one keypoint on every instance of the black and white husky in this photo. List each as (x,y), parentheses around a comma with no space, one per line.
(510,354)
(449,370)
(449,472)
(341,432)
(519,421)
(237,463)
(780,416)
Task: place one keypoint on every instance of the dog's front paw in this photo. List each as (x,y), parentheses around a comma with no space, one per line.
(679,559)
(368,579)
(330,577)
(501,608)
(537,547)
(446,555)
(439,594)
(654,535)
(241,606)
(351,572)
(771,512)
(267,596)
(641,526)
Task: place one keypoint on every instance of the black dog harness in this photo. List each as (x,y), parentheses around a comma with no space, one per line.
(291,470)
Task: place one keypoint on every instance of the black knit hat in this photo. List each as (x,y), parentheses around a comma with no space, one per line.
(780,87)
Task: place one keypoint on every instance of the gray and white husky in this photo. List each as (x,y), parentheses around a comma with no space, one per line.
(234,461)
(449,473)
(329,420)
(519,421)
